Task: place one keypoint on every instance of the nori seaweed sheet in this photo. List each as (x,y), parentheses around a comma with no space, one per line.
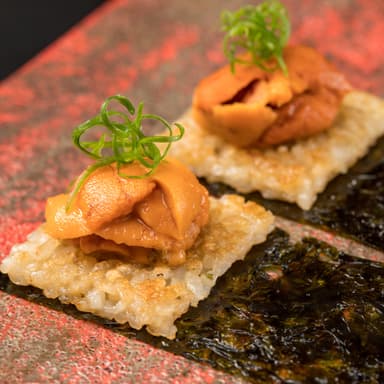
(288,313)
(352,205)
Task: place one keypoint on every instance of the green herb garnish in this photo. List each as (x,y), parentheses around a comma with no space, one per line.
(124,141)
(262,30)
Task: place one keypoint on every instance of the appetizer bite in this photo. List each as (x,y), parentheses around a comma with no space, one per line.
(278,119)
(137,239)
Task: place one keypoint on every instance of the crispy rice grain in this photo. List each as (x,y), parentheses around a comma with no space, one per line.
(295,173)
(141,296)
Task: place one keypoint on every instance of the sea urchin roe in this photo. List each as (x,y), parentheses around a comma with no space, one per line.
(256,108)
(111,213)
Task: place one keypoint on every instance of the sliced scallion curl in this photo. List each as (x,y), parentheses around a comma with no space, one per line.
(124,140)
(261,30)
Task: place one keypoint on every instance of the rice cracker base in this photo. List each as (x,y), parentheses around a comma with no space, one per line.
(142,296)
(295,173)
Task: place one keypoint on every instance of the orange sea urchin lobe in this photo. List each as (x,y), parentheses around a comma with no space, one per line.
(133,216)
(257,108)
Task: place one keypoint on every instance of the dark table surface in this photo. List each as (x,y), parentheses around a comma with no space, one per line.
(28,27)
(152,51)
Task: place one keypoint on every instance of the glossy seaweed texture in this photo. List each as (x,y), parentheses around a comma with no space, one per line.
(294,314)
(352,205)
(289,313)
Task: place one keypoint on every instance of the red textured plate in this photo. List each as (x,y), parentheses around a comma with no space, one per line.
(154,51)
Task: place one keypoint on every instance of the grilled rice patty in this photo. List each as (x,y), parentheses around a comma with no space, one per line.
(295,173)
(142,296)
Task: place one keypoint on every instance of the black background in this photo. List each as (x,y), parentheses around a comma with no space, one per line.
(27,26)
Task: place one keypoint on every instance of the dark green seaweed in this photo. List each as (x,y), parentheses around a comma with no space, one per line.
(288,313)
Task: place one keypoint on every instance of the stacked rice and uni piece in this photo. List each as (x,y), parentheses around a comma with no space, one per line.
(135,240)
(278,119)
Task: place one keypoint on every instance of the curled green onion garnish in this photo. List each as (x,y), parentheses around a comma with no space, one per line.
(262,30)
(124,141)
